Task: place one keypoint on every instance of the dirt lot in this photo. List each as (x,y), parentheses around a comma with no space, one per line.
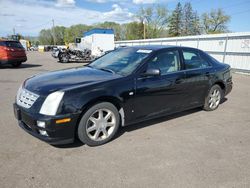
(190,149)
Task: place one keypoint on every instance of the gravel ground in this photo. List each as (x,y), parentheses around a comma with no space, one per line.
(190,149)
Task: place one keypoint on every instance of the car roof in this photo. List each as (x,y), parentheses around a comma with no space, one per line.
(148,47)
(155,47)
(8,40)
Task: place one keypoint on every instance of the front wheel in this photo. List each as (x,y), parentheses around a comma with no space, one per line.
(99,124)
(213,99)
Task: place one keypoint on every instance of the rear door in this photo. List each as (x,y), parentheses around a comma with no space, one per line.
(15,49)
(156,95)
(198,73)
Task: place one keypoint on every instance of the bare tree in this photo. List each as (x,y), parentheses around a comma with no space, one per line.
(215,22)
(154,19)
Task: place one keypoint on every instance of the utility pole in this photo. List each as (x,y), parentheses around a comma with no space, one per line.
(53,31)
(144,28)
(14,31)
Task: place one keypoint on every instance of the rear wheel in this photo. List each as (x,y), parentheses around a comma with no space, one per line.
(213,99)
(64,58)
(16,64)
(99,124)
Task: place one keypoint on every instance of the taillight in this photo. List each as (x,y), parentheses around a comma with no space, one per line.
(8,49)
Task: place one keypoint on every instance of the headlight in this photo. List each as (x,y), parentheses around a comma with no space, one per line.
(19,92)
(51,103)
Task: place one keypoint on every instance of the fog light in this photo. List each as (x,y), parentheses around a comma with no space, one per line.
(41,124)
(43,133)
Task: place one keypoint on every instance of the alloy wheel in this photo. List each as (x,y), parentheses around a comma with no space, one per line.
(101,124)
(214,99)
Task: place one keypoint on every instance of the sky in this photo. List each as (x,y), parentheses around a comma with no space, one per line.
(28,17)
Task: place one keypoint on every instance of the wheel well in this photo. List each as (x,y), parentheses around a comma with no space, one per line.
(221,84)
(112,100)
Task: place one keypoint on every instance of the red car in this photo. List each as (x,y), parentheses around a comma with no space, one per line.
(12,52)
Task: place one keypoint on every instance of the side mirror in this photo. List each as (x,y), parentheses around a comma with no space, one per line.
(152,72)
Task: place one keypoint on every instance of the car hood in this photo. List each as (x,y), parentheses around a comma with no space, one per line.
(46,83)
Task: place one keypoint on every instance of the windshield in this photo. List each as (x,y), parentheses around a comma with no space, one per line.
(121,61)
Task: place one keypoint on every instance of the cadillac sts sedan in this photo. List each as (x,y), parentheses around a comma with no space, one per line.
(123,87)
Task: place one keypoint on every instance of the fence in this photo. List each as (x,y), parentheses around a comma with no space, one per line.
(230,48)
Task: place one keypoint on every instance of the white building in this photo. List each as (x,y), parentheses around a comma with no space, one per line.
(98,41)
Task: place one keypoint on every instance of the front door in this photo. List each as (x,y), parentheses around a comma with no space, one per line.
(157,95)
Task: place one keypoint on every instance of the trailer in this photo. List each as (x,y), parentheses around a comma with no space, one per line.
(92,45)
(99,41)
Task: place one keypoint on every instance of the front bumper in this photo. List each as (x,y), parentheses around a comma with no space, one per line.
(63,133)
(229,86)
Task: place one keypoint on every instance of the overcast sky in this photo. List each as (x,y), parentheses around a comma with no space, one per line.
(28,17)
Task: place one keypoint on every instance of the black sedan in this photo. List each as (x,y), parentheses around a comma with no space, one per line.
(126,86)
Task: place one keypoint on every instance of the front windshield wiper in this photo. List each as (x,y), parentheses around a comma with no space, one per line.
(107,70)
(88,66)
(104,69)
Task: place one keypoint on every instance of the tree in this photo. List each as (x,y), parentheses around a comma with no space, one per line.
(175,21)
(215,22)
(154,19)
(75,31)
(134,30)
(191,25)
(52,36)
(196,24)
(112,25)
(46,37)
(58,34)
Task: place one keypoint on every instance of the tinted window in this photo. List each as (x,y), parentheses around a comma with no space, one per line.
(166,61)
(193,60)
(11,44)
(2,43)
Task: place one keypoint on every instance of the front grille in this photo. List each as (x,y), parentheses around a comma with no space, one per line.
(26,98)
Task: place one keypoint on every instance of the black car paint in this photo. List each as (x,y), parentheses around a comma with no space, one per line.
(139,97)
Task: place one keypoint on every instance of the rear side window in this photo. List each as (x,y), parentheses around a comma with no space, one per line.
(11,44)
(2,43)
(193,60)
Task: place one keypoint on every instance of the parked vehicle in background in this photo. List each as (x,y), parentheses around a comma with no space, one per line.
(33,48)
(123,87)
(12,52)
(69,55)
(98,40)
(56,51)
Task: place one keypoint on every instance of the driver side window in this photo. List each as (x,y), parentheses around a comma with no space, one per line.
(167,62)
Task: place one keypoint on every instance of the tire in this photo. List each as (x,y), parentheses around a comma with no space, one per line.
(99,124)
(213,98)
(16,64)
(59,56)
(64,58)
